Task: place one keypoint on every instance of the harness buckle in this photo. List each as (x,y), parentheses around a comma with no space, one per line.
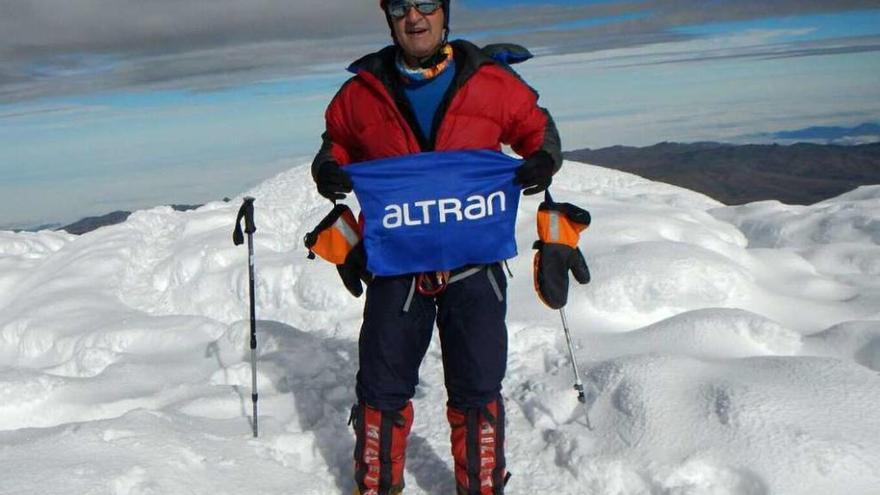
(432,284)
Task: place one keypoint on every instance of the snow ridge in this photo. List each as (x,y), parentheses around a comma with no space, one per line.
(727,350)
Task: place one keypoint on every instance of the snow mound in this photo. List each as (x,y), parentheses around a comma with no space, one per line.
(851,218)
(856,340)
(662,279)
(32,245)
(705,333)
(724,406)
(726,350)
(605,182)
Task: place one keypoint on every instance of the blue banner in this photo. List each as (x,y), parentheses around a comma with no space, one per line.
(437,211)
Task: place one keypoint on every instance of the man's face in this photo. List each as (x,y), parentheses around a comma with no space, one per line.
(419,35)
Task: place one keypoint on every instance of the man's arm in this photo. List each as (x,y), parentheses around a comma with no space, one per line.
(332,182)
(529,128)
(329,152)
(531,132)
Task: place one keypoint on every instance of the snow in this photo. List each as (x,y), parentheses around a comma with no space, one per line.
(726,350)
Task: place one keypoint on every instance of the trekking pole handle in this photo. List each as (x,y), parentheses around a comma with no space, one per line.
(246,213)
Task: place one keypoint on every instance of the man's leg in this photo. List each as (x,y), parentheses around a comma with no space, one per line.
(391,347)
(474,340)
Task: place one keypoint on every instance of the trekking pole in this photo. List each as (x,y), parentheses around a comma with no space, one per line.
(578,385)
(247,212)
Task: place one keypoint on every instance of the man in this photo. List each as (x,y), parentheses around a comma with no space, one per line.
(426,94)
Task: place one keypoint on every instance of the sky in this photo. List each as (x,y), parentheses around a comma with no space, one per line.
(125,104)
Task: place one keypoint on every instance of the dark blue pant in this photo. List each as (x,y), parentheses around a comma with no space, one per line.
(473,338)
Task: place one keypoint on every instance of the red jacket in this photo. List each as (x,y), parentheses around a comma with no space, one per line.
(487,105)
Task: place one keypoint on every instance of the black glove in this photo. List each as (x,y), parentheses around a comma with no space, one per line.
(337,239)
(552,264)
(354,270)
(332,181)
(536,173)
(559,230)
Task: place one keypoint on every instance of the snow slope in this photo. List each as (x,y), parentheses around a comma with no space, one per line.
(727,350)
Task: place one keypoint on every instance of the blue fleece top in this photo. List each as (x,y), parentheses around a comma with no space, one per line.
(425,97)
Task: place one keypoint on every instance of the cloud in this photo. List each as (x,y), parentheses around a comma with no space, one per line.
(726,123)
(757,45)
(762,44)
(61,47)
(41,27)
(38,111)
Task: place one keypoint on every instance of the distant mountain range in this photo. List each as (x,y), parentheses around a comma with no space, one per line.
(89,224)
(867,130)
(735,174)
(865,133)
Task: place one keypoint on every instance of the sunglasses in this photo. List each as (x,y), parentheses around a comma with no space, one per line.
(397,9)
